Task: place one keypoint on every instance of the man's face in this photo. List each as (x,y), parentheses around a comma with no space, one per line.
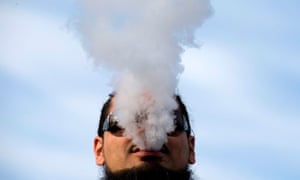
(118,152)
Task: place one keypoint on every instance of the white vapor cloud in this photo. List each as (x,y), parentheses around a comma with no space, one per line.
(142,42)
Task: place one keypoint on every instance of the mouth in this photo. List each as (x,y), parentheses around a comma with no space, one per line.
(149,155)
(136,149)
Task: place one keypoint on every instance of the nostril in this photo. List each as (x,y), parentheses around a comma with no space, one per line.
(134,149)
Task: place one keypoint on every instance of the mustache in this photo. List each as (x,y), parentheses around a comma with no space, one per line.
(134,148)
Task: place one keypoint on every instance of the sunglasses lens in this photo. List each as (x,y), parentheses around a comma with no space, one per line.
(111,125)
(116,130)
(177,131)
(180,125)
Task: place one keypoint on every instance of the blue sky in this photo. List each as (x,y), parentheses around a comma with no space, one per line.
(241,88)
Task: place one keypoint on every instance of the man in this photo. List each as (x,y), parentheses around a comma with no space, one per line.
(124,160)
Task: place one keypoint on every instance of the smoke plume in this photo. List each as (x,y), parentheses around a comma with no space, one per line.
(141,41)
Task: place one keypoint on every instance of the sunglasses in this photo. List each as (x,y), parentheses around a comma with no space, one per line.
(111,124)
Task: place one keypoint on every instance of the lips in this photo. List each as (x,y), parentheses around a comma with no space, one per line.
(152,156)
(136,149)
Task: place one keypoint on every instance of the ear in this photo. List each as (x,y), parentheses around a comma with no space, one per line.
(192,159)
(98,150)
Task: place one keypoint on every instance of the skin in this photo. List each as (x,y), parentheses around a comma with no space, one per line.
(119,153)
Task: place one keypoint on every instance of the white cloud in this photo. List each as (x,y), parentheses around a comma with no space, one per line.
(49,162)
(32,43)
(228,82)
(207,170)
(213,67)
(40,52)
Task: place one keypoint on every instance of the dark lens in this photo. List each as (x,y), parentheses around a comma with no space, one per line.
(116,130)
(111,124)
(177,131)
(180,125)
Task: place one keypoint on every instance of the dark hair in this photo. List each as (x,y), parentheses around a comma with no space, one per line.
(106,106)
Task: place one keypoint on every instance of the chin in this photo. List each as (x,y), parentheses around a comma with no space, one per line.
(148,171)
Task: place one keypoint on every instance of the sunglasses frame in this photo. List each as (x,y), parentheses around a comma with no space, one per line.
(111,123)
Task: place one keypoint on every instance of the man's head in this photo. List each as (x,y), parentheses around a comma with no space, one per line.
(119,155)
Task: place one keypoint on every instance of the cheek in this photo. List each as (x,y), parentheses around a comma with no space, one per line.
(182,149)
(115,152)
(179,152)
